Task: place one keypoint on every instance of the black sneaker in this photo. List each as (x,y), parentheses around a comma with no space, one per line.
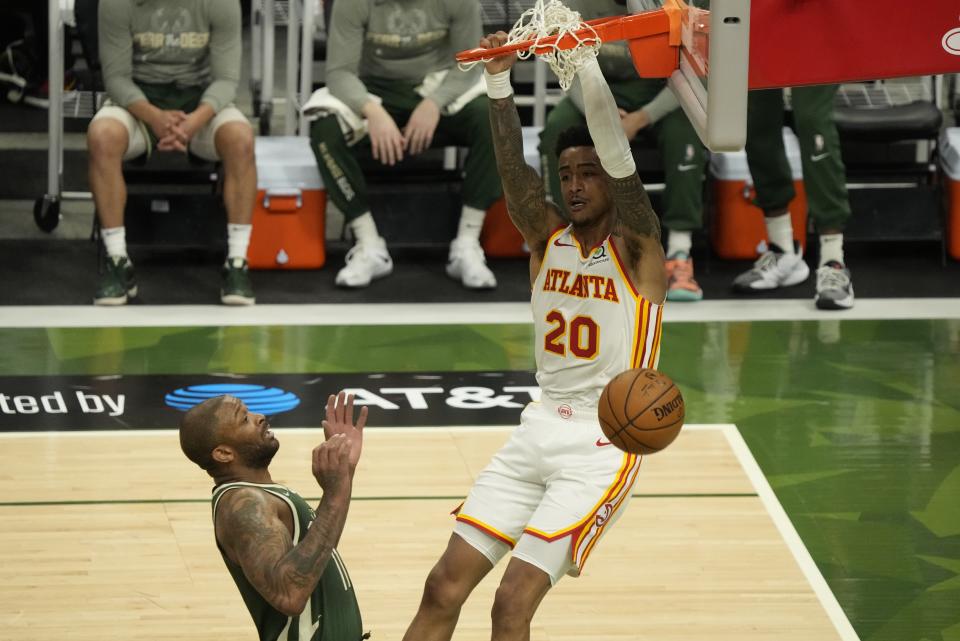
(117,282)
(236,288)
(834,287)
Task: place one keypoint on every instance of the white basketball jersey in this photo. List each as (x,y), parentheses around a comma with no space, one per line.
(590,322)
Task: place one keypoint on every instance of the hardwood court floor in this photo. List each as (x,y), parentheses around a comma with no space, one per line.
(108,535)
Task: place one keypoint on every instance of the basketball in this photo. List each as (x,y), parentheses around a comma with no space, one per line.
(641,411)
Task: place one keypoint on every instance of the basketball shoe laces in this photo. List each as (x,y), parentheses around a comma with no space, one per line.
(831,278)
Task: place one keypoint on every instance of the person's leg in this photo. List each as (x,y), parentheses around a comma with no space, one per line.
(450,582)
(824,176)
(112,137)
(481,188)
(782,265)
(684,161)
(560,118)
(519,595)
(347,188)
(229,137)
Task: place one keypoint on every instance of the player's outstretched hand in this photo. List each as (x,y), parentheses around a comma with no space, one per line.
(332,468)
(340,421)
(499,63)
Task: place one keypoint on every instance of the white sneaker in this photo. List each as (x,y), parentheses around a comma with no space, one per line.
(467,264)
(366,261)
(834,287)
(773,269)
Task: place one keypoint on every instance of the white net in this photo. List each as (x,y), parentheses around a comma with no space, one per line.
(546,19)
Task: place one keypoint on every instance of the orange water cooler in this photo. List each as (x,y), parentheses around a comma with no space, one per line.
(737,230)
(950,163)
(289,214)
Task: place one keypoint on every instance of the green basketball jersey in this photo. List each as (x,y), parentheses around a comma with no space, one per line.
(332,613)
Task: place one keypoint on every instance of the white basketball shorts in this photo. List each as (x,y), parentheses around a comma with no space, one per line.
(550,492)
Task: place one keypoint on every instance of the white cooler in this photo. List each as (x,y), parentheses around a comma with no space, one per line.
(737,230)
(950,163)
(288,217)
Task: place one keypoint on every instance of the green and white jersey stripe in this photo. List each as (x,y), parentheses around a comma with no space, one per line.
(332,613)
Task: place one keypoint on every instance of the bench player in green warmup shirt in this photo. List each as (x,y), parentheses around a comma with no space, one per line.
(281,554)
(378,53)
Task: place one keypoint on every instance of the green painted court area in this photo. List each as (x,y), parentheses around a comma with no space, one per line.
(856,424)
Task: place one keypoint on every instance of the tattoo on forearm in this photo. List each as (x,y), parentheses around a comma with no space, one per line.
(276,567)
(522,186)
(634,210)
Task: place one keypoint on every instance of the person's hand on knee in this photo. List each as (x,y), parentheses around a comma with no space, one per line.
(418,134)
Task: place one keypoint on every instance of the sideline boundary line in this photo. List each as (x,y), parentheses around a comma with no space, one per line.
(730,310)
(801,555)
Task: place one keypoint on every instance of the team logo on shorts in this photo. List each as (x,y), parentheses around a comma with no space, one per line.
(565,411)
(604,514)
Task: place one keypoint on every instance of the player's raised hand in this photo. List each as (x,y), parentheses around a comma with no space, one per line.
(332,468)
(339,421)
(502,63)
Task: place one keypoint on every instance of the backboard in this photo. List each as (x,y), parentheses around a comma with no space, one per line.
(711,80)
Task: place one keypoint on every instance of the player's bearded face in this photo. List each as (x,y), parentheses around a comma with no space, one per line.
(583,183)
(257,454)
(255,443)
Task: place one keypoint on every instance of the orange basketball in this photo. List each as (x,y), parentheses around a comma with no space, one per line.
(641,411)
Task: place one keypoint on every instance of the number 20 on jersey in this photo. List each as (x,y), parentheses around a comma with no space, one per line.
(581,336)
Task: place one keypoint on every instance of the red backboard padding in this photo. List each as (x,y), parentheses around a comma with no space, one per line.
(805,42)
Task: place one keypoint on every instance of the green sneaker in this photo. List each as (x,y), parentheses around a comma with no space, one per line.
(236,289)
(117,282)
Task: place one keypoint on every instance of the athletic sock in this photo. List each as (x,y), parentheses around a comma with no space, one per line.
(831,248)
(364,228)
(780,231)
(679,242)
(238,239)
(114,241)
(471,223)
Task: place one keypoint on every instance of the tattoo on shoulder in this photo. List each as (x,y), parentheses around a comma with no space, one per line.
(634,210)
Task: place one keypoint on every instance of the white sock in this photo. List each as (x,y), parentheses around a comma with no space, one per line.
(679,242)
(780,231)
(364,228)
(115,241)
(238,239)
(831,248)
(471,223)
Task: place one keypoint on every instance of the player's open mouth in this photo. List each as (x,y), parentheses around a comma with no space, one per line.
(577,205)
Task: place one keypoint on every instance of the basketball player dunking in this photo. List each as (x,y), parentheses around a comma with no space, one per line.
(598,285)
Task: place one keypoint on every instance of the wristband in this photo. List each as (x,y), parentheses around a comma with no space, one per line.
(498,84)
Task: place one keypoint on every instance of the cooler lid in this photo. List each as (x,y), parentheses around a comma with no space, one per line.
(286,162)
(733,165)
(950,152)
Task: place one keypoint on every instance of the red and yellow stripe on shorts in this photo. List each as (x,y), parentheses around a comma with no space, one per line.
(587,531)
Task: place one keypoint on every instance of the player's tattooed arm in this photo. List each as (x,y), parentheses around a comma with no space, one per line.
(634,211)
(250,529)
(522,186)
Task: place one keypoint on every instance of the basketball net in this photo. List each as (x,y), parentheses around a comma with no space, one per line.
(551,18)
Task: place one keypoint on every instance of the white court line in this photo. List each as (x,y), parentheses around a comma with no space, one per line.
(450,313)
(695,427)
(800,553)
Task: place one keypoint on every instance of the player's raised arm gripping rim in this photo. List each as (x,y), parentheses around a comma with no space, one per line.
(636,224)
(526,196)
